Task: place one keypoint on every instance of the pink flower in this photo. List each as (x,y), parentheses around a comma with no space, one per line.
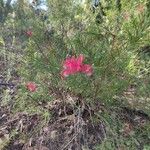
(140,8)
(31,86)
(87,69)
(74,65)
(29,33)
(126,16)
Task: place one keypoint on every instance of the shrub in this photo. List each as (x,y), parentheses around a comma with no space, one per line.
(110,45)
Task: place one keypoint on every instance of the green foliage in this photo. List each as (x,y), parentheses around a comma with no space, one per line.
(111,46)
(122,135)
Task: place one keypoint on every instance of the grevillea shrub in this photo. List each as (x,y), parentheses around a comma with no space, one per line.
(73,50)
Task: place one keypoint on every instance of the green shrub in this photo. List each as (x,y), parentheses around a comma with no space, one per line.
(110,45)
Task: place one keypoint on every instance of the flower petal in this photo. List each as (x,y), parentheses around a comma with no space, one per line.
(80,59)
(87,69)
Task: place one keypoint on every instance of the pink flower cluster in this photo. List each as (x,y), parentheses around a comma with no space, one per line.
(29,33)
(74,65)
(31,86)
